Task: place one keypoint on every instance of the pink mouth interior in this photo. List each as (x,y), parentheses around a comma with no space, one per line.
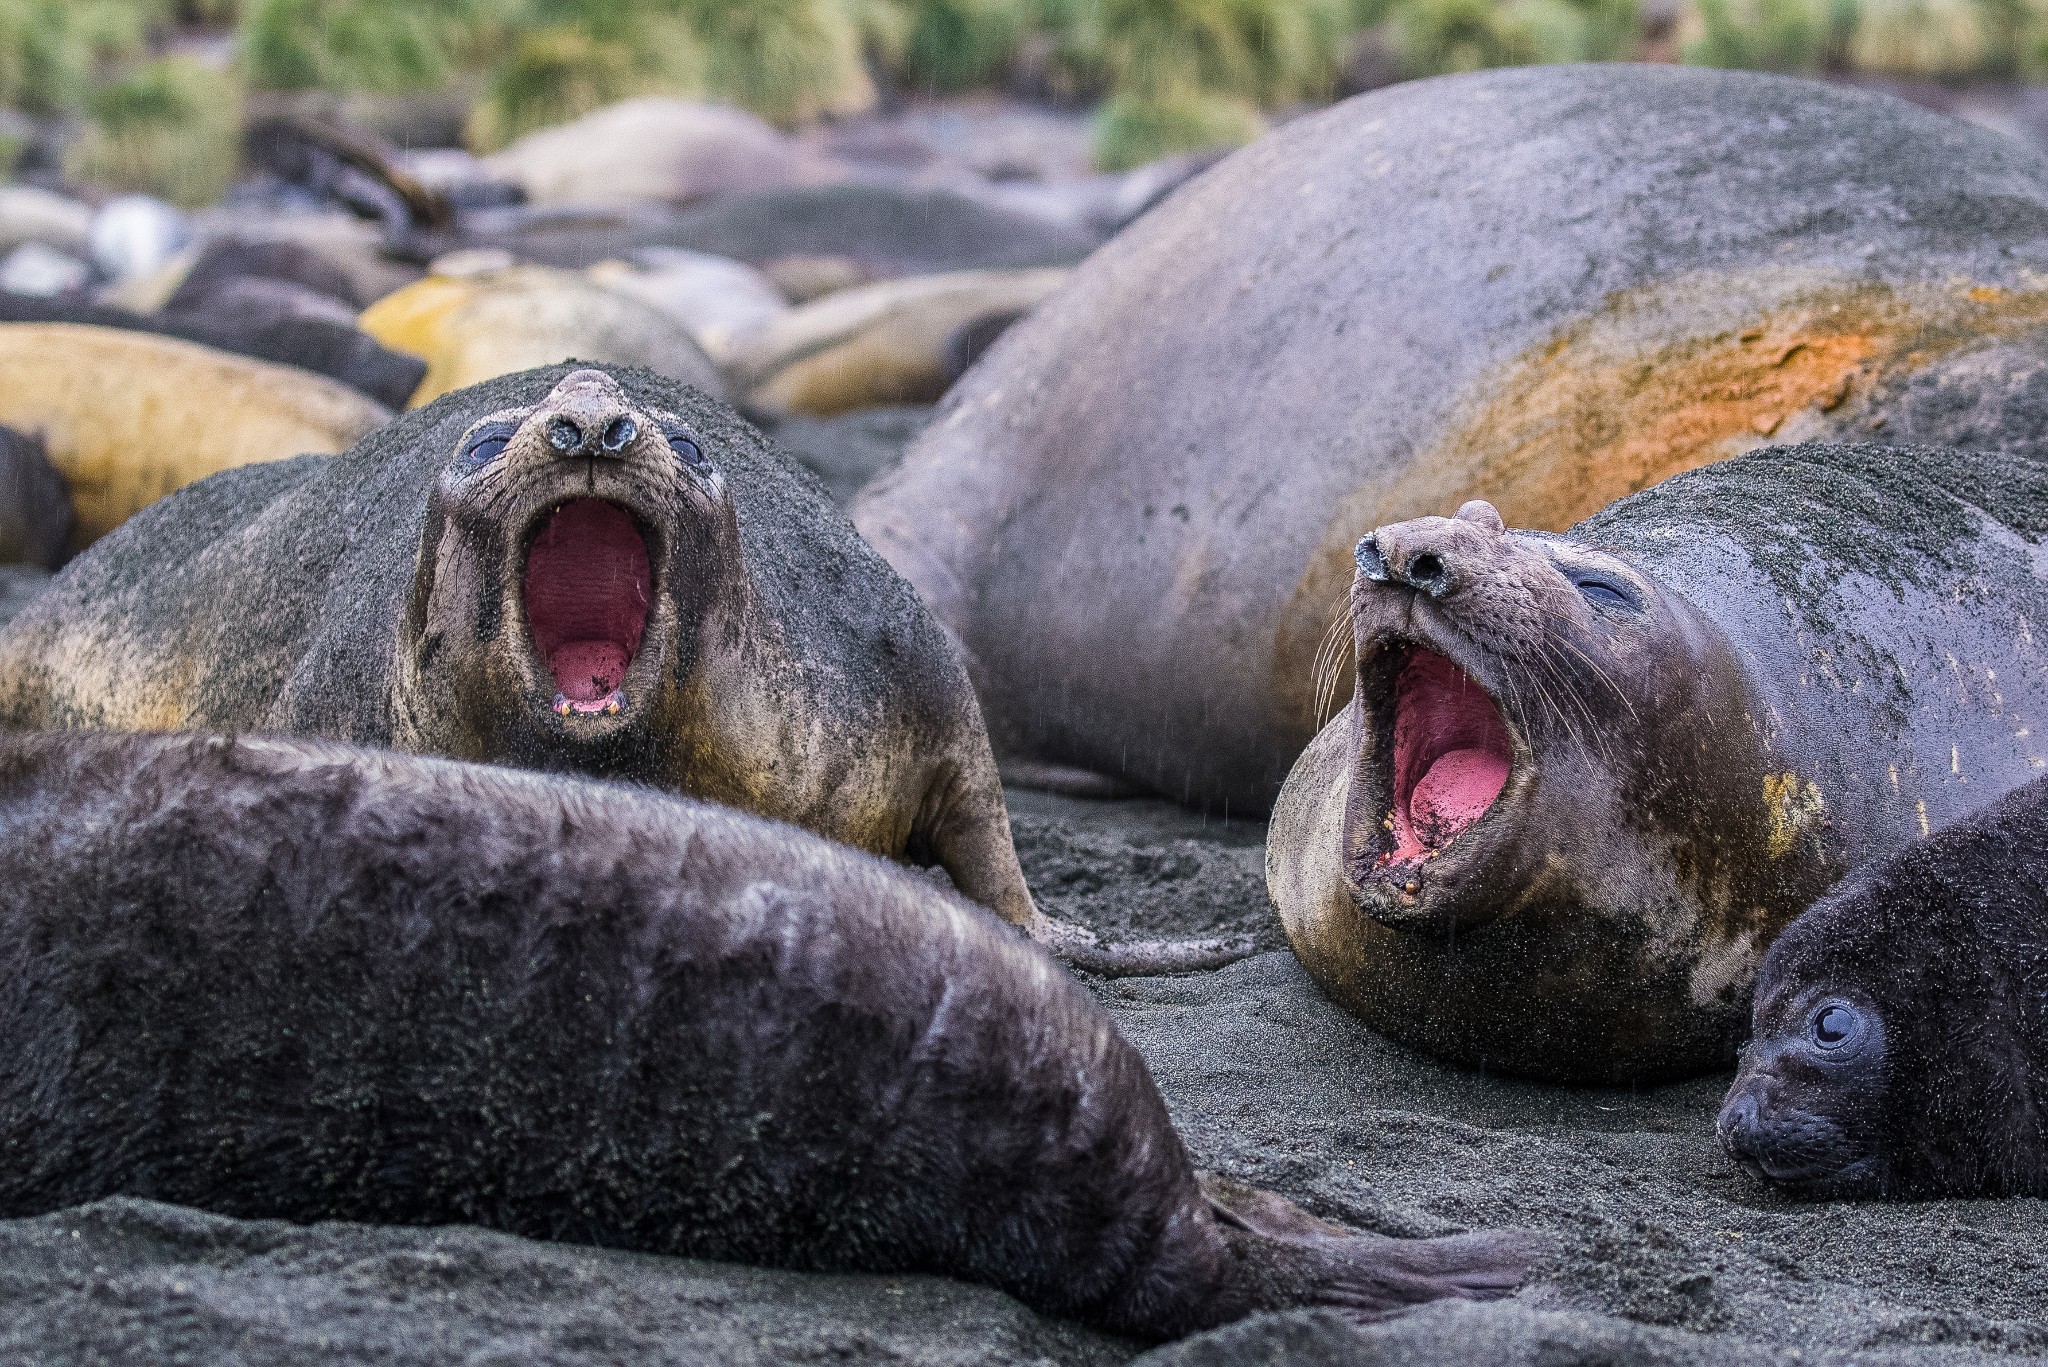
(586,590)
(1451,754)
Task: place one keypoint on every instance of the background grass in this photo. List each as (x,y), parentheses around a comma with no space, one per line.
(1165,75)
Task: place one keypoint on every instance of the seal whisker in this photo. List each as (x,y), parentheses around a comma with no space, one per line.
(1328,665)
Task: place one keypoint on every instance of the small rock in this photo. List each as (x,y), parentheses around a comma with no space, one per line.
(132,235)
(30,214)
(42,271)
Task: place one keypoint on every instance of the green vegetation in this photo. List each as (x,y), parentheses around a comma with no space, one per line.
(170,128)
(1168,74)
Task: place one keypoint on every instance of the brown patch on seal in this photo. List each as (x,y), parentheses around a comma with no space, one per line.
(1615,402)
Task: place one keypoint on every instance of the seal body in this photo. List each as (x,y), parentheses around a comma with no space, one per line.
(559,570)
(128,417)
(1548,288)
(1900,1047)
(287,979)
(495,322)
(1583,781)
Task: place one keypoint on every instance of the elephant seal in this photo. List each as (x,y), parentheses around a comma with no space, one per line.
(1548,288)
(127,417)
(307,982)
(1584,780)
(563,569)
(1898,1046)
(480,323)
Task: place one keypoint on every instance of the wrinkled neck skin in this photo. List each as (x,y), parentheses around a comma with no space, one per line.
(581,602)
(1543,837)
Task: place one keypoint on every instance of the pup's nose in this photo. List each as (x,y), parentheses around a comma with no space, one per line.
(1738,1125)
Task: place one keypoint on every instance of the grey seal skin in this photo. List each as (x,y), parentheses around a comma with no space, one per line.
(290,979)
(1899,1047)
(1548,288)
(1584,780)
(566,569)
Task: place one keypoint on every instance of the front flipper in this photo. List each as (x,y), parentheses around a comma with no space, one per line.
(1079,946)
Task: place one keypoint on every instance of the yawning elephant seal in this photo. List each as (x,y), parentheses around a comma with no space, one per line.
(1583,781)
(562,569)
(1548,288)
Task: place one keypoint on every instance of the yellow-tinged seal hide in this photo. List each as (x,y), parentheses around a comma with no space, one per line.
(479,324)
(128,417)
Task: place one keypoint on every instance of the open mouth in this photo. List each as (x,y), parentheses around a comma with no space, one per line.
(586,591)
(1451,755)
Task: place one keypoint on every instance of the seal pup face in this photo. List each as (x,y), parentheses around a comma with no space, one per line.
(1539,728)
(1807,1111)
(572,553)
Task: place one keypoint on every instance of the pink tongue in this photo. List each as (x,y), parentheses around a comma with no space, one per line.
(1456,792)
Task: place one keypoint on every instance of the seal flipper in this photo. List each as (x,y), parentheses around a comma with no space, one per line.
(1291,1258)
(1079,946)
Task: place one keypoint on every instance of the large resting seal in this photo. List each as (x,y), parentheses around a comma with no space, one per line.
(1583,781)
(1547,288)
(290,979)
(562,569)
(1900,1047)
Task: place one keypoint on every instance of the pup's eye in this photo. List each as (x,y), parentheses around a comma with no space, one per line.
(1603,592)
(685,446)
(1835,1024)
(484,447)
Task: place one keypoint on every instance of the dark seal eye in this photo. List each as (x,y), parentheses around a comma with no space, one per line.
(484,447)
(1603,592)
(1836,1025)
(685,446)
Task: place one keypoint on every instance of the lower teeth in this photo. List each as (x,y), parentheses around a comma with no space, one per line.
(610,705)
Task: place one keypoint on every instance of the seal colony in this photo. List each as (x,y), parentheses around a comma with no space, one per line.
(1548,288)
(1584,780)
(1898,1047)
(308,982)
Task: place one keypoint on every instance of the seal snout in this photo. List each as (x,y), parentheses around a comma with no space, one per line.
(590,416)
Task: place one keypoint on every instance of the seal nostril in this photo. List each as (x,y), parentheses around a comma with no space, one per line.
(1371,563)
(620,434)
(564,435)
(1428,573)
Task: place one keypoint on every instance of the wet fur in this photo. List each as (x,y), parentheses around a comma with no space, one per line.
(277,978)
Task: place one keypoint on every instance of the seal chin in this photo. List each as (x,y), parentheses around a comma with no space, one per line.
(1435,758)
(587,589)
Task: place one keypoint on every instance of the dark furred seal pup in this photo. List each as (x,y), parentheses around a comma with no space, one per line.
(1900,1038)
(1584,780)
(277,978)
(563,569)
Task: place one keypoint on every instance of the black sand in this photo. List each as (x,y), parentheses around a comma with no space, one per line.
(1666,1253)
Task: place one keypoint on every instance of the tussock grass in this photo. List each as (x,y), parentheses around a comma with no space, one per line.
(171,128)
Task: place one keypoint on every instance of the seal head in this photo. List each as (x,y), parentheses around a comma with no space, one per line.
(1899,1036)
(1541,849)
(574,554)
